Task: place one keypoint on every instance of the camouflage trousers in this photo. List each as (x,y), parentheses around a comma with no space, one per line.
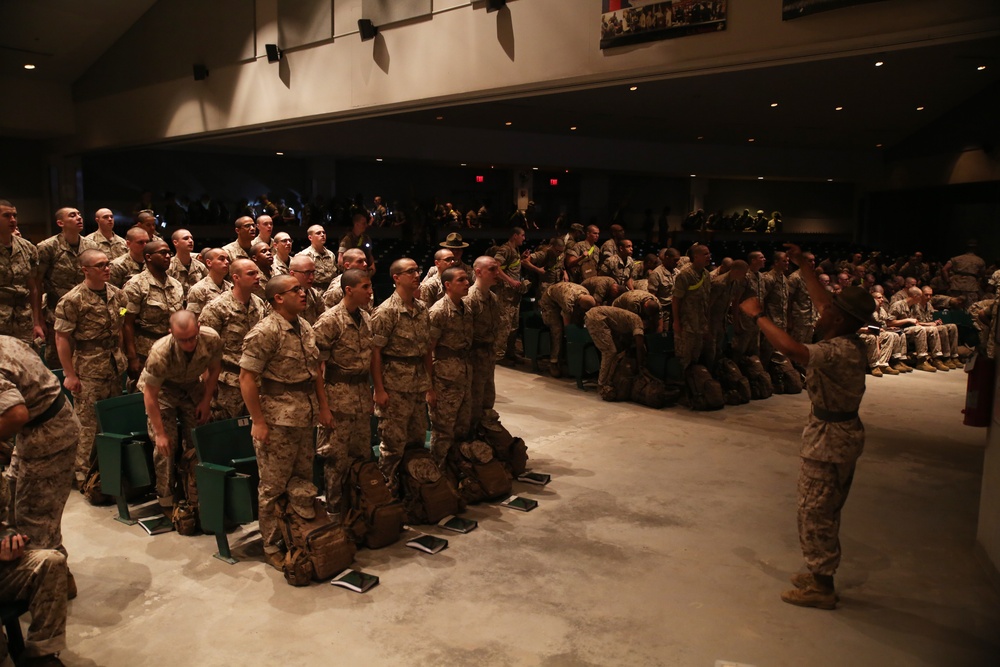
(553,319)
(39,578)
(91,391)
(51,354)
(402,421)
(348,440)
(823,489)
(690,347)
(451,419)
(483,392)
(44,482)
(801,332)
(604,341)
(916,337)
(879,348)
(746,340)
(507,331)
(178,418)
(17,321)
(948,335)
(288,454)
(228,402)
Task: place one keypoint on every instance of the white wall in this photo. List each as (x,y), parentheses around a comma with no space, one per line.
(461,53)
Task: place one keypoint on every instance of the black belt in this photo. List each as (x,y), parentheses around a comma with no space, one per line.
(230,367)
(482,344)
(13,299)
(405,360)
(441,352)
(334,375)
(274,387)
(49,412)
(96,344)
(832,416)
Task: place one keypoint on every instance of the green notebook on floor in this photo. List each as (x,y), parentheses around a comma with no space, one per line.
(355,580)
(154,525)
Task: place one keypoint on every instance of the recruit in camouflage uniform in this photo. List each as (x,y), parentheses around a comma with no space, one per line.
(204,292)
(775,301)
(692,292)
(401,336)
(725,289)
(173,378)
(38,577)
(924,339)
(604,289)
(746,334)
(18,270)
(46,444)
(283,354)
(549,260)
(122,269)
(801,311)
(558,306)
(344,339)
(508,257)
(91,322)
(188,276)
(964,273)
(451,342)
(618,267)
(113,246)
(326,266)
(485,309)
(947,333)
(151,302)
(232,320)
(59,270)
(661,283)
(612,330)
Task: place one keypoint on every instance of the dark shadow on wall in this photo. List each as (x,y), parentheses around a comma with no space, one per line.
(505,31)
(380,52)
(285,72)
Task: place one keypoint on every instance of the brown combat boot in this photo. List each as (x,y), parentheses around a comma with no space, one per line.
(875,372)
(925,366)
(275,559)
(940,365)
(889,370)
(809,592)
(902,368)
(955,363)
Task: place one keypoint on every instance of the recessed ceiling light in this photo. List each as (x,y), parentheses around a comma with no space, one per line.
(878,145)
(839,109)
(534,168)
(751,140)
(30,66)
(920,108)
(700,138)
(829,180)
(774,104)
(879,63)
(573,127)
(760,178)
(567,171)
(439,118)
(693,175)
(981,68)
(279,153)
(634,88)
(378,159)
(508,123)
(464,164)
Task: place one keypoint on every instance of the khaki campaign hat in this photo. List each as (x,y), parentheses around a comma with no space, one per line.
(856,302)
(454,240)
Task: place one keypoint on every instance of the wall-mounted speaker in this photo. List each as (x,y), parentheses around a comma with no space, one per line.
(367,29)
(273,53)
(200,72)
(494,5)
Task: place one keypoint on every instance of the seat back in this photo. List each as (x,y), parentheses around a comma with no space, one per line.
(226,443)
(121,414)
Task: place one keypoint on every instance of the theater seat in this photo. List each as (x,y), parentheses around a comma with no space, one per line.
(582,355)
(124,450)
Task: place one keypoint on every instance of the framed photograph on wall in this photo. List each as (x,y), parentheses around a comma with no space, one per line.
(793,9)
(625,22)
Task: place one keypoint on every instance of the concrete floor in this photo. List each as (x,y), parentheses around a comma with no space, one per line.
(664,538)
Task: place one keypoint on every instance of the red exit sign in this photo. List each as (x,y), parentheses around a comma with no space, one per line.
(553,182)
(480,179)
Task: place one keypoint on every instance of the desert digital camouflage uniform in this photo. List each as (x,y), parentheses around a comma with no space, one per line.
(94,321)
(431,290)
(152,302)
(612,330)
(459,264)
(285,357)
(552,267)
(509,298)
(334,294)
(802,313)
(38,577)
(232,321)
(723,291)
(123,268)
(326,266)
(485,324)
(661,283)
(632,301)
(403,334)
(600,288)
(640,276)
(178,375)
(451,419)
(17,264)
(964,275)
(608,249)
(925,339)
(693,289)
(618,268)
(558,304)
(278,267)
(746,337)
(832,441)
(59,270)
(897,339)
(984,331)
(114,247)
(236,251)
(46,451)
(345,346)
(204,291)
(188,276)
(314,306)
(775,304)
(586,251)
(947,334)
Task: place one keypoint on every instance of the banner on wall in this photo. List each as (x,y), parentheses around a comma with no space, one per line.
(625,22)
(793,9)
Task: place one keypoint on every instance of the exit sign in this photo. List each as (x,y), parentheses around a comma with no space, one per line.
(479,179)
(553,182)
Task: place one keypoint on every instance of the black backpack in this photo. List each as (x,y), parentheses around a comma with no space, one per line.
(704,391)
(373,517)
(428,496)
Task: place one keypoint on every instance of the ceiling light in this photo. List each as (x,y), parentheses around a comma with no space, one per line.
(30,66)
(439,118)
(464,164)
(920,108)
(700,138)
(279,153)
(774,104)
(980,68)
(508,123)
(829,180)
(878,145)
(534,168)
(879,63)
(693,175)
(760,178)
(751,140)
(839,109)
(573,127)
(567,171)
(634,88)
(378,159)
